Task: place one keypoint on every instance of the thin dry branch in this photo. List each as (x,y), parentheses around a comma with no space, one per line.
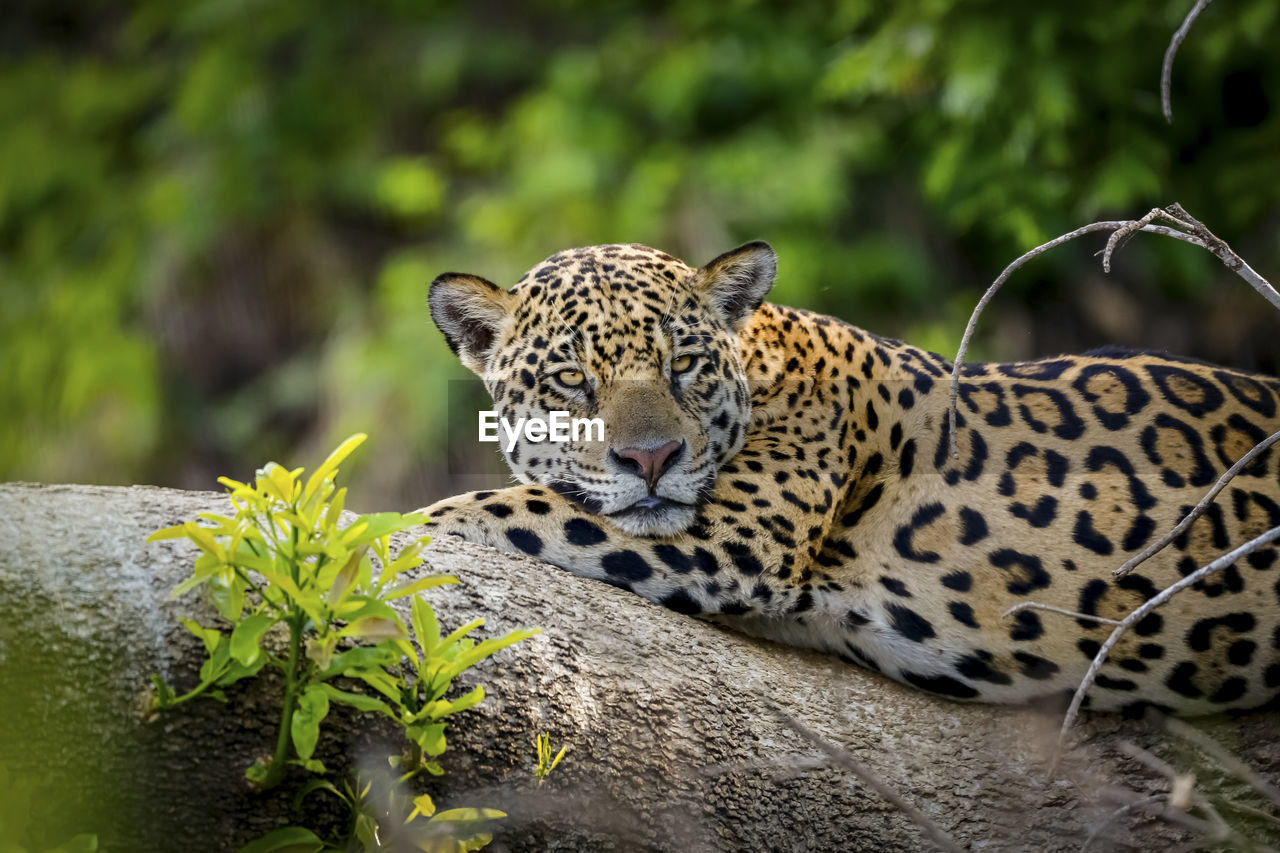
(1035,605)
(1144,804)
(1183,793)
(1229,762)
(1110,225)
(843,759)
(1182,786)
(1199,509)
(1166,69)
(1199,235)
(1116,815)
(1151,604)
(1177,214)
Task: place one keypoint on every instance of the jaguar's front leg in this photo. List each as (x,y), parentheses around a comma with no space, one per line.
(705,571)
(535,521)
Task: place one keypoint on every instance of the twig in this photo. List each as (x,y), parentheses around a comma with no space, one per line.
(848,762)
(1166,69)
(1035,605)
(1229,762)
(1151,604)
(1169,813)
(1110,225)
(1199,510)
(1199,236)
(1224,253)
(1256,814)
(1122,234)
(1182,791)
(1116,815)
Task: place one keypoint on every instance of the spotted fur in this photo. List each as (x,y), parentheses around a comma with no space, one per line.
(811,497)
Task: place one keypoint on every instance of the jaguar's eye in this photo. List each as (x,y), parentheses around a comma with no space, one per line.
(571,378)
(683,364)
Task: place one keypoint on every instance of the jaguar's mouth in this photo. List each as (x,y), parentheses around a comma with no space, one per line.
(653,515)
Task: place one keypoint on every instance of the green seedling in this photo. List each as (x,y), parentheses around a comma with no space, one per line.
(283,564)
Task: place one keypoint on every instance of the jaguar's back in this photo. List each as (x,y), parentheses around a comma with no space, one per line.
(791,474)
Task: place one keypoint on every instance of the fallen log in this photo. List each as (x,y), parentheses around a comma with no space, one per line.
(682,735)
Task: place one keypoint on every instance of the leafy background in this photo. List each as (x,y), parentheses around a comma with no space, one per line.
(218,218)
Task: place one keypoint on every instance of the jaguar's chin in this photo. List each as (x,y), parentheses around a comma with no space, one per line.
(654,516)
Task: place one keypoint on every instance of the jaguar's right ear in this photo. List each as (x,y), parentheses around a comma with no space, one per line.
(470,312)
(738,280)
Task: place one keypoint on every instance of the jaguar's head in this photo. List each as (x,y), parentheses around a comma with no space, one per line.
(632,337)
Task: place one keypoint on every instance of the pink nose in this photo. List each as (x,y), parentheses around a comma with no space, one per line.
(648,464)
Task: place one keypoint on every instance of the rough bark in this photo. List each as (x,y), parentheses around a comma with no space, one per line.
(673,743)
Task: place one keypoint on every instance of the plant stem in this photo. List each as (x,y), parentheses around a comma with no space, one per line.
(190,694)
(292,684)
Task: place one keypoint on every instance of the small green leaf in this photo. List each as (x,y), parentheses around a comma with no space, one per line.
(376,525)
(419,585)
(366,832)
(226,594)
(375,628)
(247,635)
(479,841)
(313,706)
(221,523)
(219,659)
(359,606)
(257,772)
(233,485)
(459,633)
(321,651)
(485,648)
(430,737)
(178,531)
(189,584)
(203,537)
(287,839)
(329,466)
(355,700)
(278,482)
(236,671)
(425,626)
(379,679)
(209,636)
(314,785)
(334,511)
(467,700)
(358,658)
(422,805)
(346,576)
(162,696)
(468,815)
(311,765)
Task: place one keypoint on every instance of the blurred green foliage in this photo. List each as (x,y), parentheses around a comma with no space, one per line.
(218,217)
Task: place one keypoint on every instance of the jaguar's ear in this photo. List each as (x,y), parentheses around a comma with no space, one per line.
(470,311)
(738,280)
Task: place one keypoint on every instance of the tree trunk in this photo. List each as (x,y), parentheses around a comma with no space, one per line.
(677,739)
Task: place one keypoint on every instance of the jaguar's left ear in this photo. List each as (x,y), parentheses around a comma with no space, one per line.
(738,280)
(471,312)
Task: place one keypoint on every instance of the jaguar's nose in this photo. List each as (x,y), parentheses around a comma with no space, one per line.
(649,465)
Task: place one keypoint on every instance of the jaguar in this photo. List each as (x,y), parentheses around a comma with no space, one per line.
(792,476)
